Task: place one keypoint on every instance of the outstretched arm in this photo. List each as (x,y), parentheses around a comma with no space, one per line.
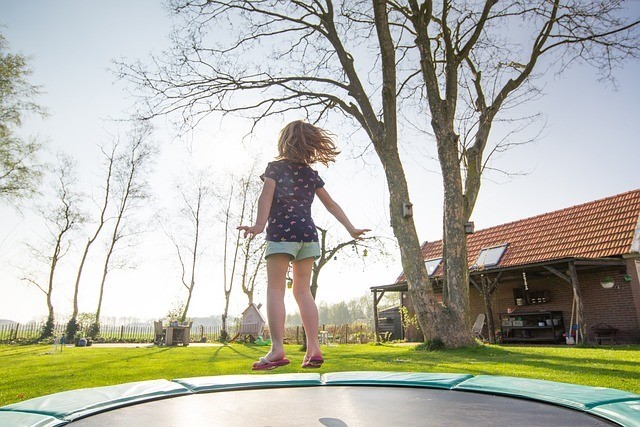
(264,205)
(337,212)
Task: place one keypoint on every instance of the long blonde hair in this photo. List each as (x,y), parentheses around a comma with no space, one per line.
(303,142)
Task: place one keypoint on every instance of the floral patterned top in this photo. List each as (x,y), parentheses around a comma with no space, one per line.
(290,215)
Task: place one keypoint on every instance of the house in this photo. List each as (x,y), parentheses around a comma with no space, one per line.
(568,273)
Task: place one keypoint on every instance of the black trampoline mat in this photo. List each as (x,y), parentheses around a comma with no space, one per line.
(339,406)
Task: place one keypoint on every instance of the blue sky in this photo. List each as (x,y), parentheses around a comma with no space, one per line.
(588,150)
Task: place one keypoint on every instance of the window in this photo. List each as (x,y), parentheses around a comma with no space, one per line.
(488,257)
(432,265)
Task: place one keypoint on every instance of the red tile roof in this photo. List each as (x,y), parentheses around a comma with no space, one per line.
(602,228)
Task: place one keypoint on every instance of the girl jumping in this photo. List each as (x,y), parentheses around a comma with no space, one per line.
(284,207)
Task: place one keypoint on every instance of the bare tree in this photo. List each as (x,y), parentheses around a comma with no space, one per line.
(233,214)
(466,57)
(131,189)
(329,252)
(253,250)
(316,73)
(486,288)
(109,157)
(458,64)
(195,197)
(228,278)
(61,219)
(252,262)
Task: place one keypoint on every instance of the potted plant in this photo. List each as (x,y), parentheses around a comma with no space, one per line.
(607,282)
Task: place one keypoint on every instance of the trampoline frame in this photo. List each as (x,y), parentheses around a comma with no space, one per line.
(59,409)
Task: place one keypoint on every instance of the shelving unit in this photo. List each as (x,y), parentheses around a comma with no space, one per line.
(540,326)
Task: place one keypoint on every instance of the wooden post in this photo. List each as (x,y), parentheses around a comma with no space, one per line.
(633,270)
(376,326)
(582,321)
(402,319)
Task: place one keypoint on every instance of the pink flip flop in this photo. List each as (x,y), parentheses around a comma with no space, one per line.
(265,364)
(314,362)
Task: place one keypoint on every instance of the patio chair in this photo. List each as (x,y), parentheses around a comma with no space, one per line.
(478,326)
(160,333)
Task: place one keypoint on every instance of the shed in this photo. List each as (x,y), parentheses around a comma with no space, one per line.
(252,323)
(390,323)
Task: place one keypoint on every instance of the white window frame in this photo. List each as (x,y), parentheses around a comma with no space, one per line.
(434,266)
(483,255)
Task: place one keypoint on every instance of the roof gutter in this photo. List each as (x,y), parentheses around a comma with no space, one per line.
(612,262)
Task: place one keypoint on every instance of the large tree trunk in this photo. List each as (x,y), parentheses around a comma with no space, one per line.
(430,315)
(432,319)
(456,271)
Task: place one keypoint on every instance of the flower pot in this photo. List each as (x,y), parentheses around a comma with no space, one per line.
(607,285)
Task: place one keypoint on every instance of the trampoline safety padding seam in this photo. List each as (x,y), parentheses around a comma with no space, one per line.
(58,409)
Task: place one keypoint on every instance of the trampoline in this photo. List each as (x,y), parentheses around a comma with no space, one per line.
(332,399)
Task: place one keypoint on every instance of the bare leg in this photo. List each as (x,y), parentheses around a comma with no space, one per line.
(277,266)
(307,305)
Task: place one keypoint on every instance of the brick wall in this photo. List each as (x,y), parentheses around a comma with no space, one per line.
(614,306)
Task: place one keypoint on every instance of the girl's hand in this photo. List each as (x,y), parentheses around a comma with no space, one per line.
(357,233)
(250,231)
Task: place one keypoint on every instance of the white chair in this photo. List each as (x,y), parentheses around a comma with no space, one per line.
(478,326)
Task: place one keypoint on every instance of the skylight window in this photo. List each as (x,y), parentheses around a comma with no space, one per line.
(432,265)
(488,257)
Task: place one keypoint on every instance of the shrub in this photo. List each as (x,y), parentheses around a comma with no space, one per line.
(94,330)
(71,330)
(47,329)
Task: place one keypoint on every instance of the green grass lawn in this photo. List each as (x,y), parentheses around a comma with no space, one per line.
(31,371)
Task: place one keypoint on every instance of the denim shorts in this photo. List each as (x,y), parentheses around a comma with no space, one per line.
(297,250)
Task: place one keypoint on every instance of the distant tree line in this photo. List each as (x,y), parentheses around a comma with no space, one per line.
(357,310)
